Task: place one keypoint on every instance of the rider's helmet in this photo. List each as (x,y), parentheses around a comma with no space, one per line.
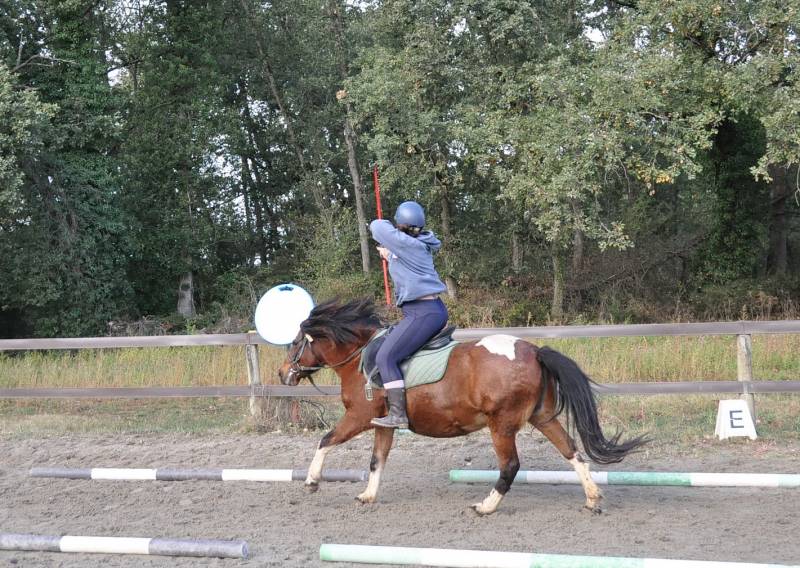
(410,213)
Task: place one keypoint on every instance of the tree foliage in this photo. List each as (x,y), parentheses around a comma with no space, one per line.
(572,154)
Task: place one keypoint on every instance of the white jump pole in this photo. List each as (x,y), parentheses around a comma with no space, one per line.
(125,545)
(636,478)
(487,559)
(212,474)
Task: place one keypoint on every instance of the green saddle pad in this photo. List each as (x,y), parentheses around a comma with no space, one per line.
(423,367)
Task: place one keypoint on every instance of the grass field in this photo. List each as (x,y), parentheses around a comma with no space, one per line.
(669,419)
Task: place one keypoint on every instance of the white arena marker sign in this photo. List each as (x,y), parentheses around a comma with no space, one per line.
(734,419)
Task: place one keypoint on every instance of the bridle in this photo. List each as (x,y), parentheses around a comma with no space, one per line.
(295,368)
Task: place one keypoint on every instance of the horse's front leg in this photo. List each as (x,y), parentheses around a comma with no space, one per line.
(346,428)
(380,451)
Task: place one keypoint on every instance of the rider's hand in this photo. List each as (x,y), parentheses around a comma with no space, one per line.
(384,252)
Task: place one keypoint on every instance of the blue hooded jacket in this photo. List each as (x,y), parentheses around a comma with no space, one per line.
(410,261)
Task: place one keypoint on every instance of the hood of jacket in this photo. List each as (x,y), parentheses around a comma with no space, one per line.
(430,240)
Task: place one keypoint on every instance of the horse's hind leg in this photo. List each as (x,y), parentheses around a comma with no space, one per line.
(555,432)
(504,438)
(380,451)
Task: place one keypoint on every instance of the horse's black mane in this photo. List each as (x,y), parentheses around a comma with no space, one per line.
(339,322)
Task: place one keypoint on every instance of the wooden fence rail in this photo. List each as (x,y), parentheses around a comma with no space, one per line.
(548,332)
(743,330)
(303,391)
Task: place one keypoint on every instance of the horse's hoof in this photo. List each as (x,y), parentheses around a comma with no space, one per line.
(478,508)
(365,500)
(312,487)
(593,510)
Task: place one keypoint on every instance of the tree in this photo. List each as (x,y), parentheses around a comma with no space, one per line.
(174,189)
(64,250)
(406,99)
(736,63)
(24,118)
(337,11)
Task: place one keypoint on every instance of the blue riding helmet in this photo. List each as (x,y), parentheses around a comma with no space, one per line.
(410,213)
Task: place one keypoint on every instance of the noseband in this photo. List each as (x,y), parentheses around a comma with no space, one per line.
(295,368)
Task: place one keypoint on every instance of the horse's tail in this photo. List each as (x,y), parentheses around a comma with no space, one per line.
(576,397)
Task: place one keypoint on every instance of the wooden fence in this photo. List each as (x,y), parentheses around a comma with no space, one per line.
(743,331)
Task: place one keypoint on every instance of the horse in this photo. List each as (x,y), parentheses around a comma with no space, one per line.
(501,381)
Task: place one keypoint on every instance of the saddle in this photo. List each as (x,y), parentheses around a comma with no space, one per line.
(368,366)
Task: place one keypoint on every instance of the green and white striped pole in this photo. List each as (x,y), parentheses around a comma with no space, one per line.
(488,559)
(636,478)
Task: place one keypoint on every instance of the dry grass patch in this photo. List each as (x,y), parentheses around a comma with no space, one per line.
(669,420)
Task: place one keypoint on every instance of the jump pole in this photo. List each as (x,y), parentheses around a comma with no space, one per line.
(125,545)
(488,559)
(788,480)
(212,474)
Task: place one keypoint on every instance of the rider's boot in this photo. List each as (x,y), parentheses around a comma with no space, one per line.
(397,417)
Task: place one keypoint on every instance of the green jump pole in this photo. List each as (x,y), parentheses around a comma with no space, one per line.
(488,559)
(636,478)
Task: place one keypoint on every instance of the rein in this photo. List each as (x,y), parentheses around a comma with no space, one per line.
(296,367)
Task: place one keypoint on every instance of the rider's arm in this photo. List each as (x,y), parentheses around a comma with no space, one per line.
(396,241)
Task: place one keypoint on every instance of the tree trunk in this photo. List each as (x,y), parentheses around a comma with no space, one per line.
(450,282)
(261,240)
(262,227)
(248,213)
(680,265)
(516,253)
(577,238)
(352,162)
(186,295)
(577,251)
(778,229)
(557,307)
(337,23)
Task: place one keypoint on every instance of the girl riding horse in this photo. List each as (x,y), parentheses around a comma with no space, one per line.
(409,251)
(501,381)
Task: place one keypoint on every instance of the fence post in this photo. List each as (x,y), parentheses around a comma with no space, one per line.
(257,403)
(744,366)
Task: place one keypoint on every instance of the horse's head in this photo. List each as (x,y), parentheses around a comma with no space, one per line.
(301,360)
(331,336)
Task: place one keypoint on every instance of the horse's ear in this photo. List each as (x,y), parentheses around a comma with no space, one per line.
(309,338)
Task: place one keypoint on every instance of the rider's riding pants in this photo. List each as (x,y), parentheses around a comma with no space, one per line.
(422,319)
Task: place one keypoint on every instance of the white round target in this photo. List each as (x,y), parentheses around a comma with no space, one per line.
(281,311)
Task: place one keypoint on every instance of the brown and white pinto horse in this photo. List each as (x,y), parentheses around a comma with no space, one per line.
(500,381)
